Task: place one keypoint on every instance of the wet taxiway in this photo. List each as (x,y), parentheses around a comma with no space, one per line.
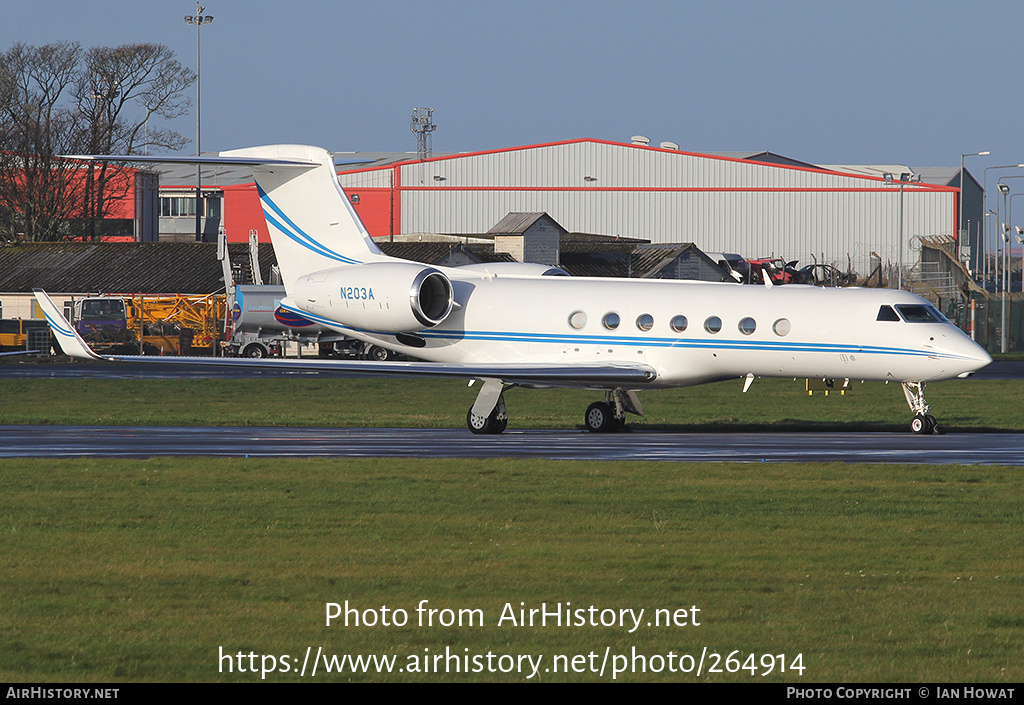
(151,441)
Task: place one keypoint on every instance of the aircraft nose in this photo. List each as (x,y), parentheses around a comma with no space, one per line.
(982,358)
(975,357)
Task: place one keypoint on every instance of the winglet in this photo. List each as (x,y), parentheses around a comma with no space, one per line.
(70,342)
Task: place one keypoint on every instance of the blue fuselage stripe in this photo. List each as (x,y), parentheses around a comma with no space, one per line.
(648,342)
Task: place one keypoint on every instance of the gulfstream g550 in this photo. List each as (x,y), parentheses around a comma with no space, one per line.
(523,325)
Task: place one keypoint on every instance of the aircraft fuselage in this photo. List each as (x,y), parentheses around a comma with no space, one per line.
(689,332)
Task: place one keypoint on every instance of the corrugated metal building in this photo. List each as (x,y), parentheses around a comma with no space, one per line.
(720,203)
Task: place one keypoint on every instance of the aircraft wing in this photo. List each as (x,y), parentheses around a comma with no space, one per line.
(610,374)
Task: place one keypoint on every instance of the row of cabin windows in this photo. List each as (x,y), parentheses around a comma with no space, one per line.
(678,324)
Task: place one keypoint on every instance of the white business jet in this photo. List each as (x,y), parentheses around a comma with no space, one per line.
(521,325)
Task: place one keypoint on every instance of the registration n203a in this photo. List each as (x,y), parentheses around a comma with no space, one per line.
(356,293)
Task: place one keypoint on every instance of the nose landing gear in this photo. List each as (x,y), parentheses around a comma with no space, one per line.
(923,423)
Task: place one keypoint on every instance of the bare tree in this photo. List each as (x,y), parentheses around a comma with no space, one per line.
(38,193)
(57,99)
(120,89)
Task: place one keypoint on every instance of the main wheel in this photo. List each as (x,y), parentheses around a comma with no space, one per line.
(490,424)
(599,418)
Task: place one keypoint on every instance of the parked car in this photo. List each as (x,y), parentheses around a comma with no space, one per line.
(779,270)
(826,275)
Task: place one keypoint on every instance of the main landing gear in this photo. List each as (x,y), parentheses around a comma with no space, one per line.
(494,422)
(609,416)
(488,414)
(923,422)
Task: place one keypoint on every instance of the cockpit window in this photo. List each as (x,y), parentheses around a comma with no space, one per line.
(915,313)
(885,313)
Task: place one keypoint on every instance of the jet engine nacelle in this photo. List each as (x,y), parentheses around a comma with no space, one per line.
(384,297)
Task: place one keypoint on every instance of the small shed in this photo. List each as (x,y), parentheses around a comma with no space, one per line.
(528,237)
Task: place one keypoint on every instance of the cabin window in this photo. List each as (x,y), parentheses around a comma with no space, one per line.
(885,313)
(577,319)
(611,321)
(747,326)
(915,313)
(678,323)
(645,321)
(713,324)
(782,327)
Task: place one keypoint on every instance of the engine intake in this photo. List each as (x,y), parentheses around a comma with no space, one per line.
(382,297)
(431,297)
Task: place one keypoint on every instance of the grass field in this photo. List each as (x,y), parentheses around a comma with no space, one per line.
(143,570)
(964,405)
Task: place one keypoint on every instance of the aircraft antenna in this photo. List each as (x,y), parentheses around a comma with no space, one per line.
(423,125)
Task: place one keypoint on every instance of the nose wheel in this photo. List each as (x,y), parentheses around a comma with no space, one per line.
(923,423)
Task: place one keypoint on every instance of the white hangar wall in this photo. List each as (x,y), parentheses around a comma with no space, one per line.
(720,204)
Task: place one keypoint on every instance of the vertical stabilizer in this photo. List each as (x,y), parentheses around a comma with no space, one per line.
(311,221)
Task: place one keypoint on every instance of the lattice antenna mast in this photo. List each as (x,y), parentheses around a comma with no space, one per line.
(423,125)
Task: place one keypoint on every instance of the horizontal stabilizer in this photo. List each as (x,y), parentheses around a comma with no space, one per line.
(182,159)
(67,337)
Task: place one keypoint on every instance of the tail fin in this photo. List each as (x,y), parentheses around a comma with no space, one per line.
(312,223)
(70,342)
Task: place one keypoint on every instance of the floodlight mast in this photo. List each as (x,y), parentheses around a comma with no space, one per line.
(984,193)
(199,19)
(1004,230)
(905,178)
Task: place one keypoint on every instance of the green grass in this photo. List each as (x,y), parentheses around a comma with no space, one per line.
(128,570)
(770,404)
(141,570)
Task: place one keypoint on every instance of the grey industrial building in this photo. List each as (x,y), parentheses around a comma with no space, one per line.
(755,204)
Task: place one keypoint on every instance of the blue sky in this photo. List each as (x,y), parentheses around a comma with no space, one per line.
(825,82)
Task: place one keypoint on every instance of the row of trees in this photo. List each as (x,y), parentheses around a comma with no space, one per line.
(61,99)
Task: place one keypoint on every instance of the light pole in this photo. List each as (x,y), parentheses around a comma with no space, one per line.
(1020,241)
(984,195)
(985,266)
(1000,184)
(960,217)
(199,19)
(905,178)
(1005,236)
